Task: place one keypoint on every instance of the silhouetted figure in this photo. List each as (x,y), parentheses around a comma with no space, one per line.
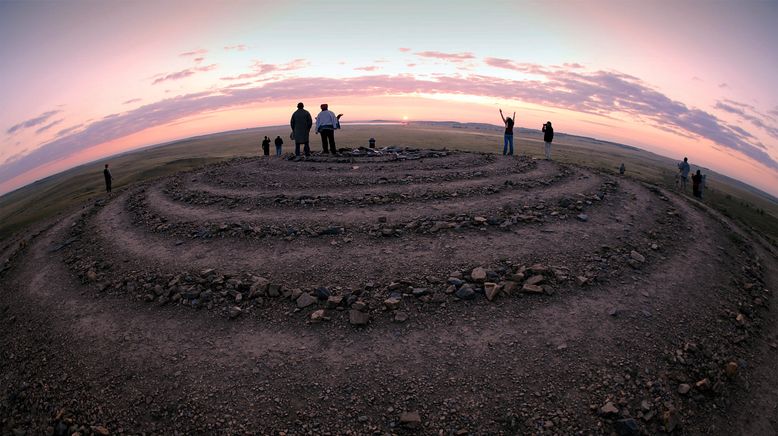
(622,168)
(371,141)
(683,172)
(108,179)
(548,136)
(696,184)
(266,146)
(508,137)
(301,123)
(702,184)
(326,124)
(279,143)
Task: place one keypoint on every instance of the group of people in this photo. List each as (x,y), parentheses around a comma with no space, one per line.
(507,148)
(326,125)
(698,179)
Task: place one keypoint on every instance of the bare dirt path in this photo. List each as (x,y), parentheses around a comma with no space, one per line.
(629,329)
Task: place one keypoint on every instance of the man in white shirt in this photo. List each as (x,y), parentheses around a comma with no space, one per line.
(326,124)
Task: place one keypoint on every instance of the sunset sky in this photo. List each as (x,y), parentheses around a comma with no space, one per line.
(81,80)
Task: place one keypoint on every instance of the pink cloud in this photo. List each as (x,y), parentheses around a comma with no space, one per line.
(178,75)
(238,47)
(40,119)
(367,68)
(132,100)
(404,49)
(198,52)
(452,57)
(261,69)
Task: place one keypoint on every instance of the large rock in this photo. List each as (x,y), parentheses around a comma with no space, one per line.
(535,280)
(609,409)
(235,312)
(392,303)
(410,419)
(532,289)
(478,274)
(491,290)
(356,317)
(637,256)
(304,300)
(259,287)
(319,316)
(465,293)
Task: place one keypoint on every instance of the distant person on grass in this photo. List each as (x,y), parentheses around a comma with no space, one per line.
(266,146)
(548,136)
(108,179)
(279,143)
(301,123)
(683,172)
(697,184)
(622,169)
(508,137)
(326,124)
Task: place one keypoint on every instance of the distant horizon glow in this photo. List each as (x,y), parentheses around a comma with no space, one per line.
(137,74)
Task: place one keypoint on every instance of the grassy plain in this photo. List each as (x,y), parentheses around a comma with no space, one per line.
(58,193)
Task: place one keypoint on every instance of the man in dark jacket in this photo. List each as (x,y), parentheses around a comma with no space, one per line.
(266,146)
(108,179)
(279,143)
(301,123)
(548,136)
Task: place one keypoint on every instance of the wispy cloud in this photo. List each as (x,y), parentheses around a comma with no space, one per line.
(198,52)
(237,47)
(32,122)
(367,68)
(132,100)
(67,130)
(178,75)
(404,49)
(452,57)
(259,69)
(748,113)
(48,126)
(723,85)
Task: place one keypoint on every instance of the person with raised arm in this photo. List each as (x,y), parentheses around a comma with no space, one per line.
(508,138)
(326,124)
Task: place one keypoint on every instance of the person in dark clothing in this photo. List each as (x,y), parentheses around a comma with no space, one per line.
(301,123)
(266,146)
(548,136)
(108,179)
(279,143)
(508,138)
(696,182)
(622,168)
(371,141)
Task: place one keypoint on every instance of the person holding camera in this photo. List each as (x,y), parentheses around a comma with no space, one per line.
(548,136)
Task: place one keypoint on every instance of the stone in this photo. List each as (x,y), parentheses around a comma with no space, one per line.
(400,316)
(410,419)
(304,300)
(538,268)
(334,301)
(356,317)
(100,430)
(581,280)
(609,409)
(238,298)
(703,385)
(582,217)
(491,290)
(259,287)
(466,292)
(359,305)
(235,312)
(670,420)
(509,287)
(478,274)
(637,256)
(392,303)
(91,275)
(741,319)
(420,292)
(534,280)
(319,315)
(731,369)
(532,289)
(684,388)
(274,290)
(322,293)
(626,427)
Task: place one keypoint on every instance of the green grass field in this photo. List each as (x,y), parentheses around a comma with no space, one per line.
(63,191)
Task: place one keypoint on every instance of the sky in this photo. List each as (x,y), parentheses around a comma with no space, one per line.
(82,80)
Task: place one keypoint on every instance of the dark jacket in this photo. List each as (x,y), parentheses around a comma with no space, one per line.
(301,123)
(548,133)
(107,175)
(266,144)
(279,141)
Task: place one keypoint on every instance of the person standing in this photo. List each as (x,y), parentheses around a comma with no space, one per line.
(279,143)
(548,136)
(326,124)
(108,179)
(371,142)
(508,137)
(696,184)
(622,169)
(301,123)
(266,146)
(683,171)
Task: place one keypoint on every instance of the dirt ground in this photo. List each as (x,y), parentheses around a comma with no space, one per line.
(417,292)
